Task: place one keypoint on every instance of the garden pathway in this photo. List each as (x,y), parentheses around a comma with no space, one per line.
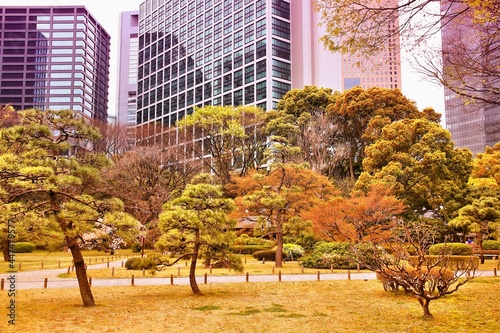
(35,279)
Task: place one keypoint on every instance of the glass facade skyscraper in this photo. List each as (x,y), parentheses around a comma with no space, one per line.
(472,64)
(204,52)
(54,58)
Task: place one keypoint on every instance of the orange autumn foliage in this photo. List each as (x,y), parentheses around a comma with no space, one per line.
(362,217)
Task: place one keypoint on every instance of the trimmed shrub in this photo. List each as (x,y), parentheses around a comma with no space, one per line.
(330,255)
(139,263)
(491,245)
(24,247)
(292,251)
(457,249)
(136,248)
(269,255)
(451,262)
(248,249)
(244,239)
(232,261)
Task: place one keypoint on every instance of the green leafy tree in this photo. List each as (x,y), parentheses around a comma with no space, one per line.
(40,175)
(482,214)
(301,118)
(226,139)
(360,114)
(196,220)
(417,159)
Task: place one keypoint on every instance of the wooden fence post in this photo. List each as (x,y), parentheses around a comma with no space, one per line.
(247,276)
(2,284)
(348,274)
(90,281)
(318,275)
(45,282)
(206,278)
(172,279)
(132,281)
(279,276)
(112,271)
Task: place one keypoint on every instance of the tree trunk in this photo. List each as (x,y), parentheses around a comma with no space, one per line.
(425,306)
(480,244)
(5,249)
(192,270)
(81,272)
(279,244)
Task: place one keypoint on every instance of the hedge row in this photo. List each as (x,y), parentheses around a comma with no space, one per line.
(491,245)
(452,262)
(456,249)
(248,249)
(24,247)
(139,263)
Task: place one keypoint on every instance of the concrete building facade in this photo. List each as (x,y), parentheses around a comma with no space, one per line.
(54,58)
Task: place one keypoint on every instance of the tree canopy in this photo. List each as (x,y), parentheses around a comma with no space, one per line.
(45,181)
(226,139)
(195,220)
(417,158)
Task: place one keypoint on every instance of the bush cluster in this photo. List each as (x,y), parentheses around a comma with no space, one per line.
(491,245)
(139,263)
(330,255)
(456,249)
(292,251)
(136,248)
(269,255)
(24,247)
(244,239)
(248,249)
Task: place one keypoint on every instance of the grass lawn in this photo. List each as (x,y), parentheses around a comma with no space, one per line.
(327,306)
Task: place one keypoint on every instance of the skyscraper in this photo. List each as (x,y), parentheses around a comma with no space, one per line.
(380,70)
(127,71)
(470,64)
(54,58)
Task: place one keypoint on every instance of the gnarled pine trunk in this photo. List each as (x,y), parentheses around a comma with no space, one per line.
(81,272)
(192,269)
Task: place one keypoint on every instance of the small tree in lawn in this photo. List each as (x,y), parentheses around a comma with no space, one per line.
(427,278)
(196,220)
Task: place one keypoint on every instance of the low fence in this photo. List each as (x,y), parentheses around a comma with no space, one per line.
(172,280)
(206,278)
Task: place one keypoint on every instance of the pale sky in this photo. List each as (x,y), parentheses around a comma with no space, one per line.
(107,12)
